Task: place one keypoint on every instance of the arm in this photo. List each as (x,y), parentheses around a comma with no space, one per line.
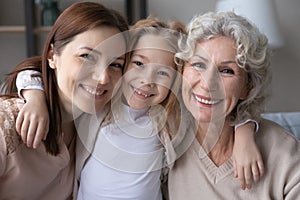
(246,156)
(33,119)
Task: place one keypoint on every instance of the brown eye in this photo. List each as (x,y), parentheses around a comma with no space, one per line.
(116,65)
(138,63)
(227,71)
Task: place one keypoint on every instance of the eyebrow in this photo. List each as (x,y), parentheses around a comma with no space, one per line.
(100,53)
(228,62)
(206,60)
(139,55)
(91,49)
(223,63)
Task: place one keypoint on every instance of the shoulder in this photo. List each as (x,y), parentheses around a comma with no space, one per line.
(9,109)
(270,128)
(274,140)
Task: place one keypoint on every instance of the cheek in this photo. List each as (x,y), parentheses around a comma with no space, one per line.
(187,82)
(164,91)
(189,75)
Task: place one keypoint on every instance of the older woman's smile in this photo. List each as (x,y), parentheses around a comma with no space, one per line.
(206,100)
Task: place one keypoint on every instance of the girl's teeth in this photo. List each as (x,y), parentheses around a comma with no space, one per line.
(140,93)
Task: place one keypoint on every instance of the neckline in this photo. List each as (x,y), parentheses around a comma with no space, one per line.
(214,172)
(136,123)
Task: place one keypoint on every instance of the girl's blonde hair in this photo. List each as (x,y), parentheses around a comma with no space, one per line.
(170,32)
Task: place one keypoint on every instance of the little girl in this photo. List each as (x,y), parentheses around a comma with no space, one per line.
(129,152)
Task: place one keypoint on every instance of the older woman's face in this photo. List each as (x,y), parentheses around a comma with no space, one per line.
(212,81)
(88,69)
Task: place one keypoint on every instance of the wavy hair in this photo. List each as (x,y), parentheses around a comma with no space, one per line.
(253,55)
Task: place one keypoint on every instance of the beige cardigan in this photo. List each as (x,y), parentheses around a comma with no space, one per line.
(27,173)
(195,176)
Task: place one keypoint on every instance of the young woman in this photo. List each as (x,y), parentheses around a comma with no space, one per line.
(47,172)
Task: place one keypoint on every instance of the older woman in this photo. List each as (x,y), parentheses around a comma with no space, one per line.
(74,70)
(225,77)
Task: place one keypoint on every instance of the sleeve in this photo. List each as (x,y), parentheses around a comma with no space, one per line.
(245,122)
(3,151)
(25,80)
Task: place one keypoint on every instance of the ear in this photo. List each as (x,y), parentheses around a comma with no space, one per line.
(51,57)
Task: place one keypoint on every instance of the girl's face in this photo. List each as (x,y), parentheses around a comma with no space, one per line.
(88,69)
(150,73)
(213,82)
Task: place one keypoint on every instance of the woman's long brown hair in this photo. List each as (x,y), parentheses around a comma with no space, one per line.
(76,19)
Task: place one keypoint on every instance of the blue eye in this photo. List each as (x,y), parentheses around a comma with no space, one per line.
(198,65)
(163,73)
(87,57)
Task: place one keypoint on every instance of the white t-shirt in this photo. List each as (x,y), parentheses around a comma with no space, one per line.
(126,161)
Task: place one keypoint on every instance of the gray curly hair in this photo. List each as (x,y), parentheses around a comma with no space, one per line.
(253,55)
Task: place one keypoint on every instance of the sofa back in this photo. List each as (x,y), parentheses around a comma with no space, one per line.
(288,120)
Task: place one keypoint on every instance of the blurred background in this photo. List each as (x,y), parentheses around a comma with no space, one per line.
(23,31)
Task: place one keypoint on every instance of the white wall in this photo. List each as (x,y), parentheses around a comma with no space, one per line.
(285,62)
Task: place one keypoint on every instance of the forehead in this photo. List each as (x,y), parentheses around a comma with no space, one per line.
(216,48)
(105,39)
(153,42)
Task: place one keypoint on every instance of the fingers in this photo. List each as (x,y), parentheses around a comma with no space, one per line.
(241,177)
(41,134)
(19,122)
(24,130)
(32,131)
(249,174)
(261,167)
(255,172)
(248,177)
(235,169)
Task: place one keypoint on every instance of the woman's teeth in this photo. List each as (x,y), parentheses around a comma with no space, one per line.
(94,92)
(205,101)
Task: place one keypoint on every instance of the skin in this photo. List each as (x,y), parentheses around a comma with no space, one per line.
(84,72)
(87,71)
(150,73)
(214,97)
(213,80)
(213,84)
(246,157)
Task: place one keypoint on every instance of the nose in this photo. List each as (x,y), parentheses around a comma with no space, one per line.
(101,75)
(148,78)
(210,79)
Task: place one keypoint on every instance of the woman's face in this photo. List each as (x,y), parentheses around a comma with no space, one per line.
(150,73)
(88,69)
(212,81)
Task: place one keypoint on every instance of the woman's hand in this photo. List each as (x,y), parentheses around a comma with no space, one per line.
(33,119)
